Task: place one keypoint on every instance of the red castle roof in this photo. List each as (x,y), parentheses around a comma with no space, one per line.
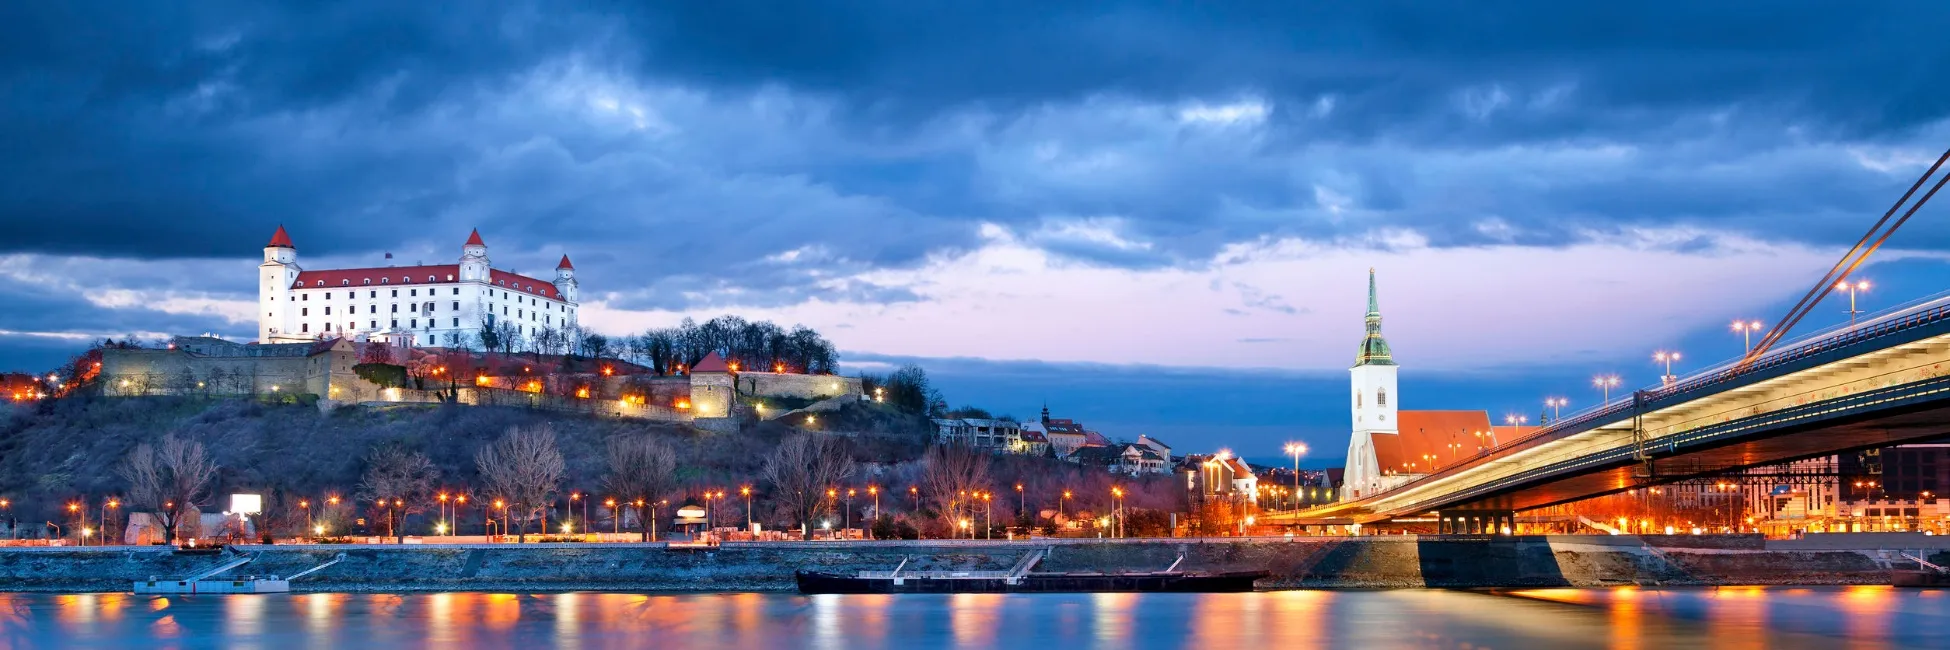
(280,239)
(374,278)
(711,363)
(565,264)
(474,238)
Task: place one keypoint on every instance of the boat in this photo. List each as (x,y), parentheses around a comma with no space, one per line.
(1019,579)
(1926,574)
(206,581)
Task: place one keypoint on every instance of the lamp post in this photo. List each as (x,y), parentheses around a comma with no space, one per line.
(1852,288)
(1295,450)
(1667,358)
(1117,510)
(74,510)
(874,491)
(111,504)
(746,491)
(1746,330)
(615,517)
(1605,383)
(1516,420)
(1022,502)
(1556,403)
(1059,505)
(847,520)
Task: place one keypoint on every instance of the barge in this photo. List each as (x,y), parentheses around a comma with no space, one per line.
(207,582)
(1020,579)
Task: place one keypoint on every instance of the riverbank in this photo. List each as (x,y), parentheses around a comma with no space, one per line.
(1300,562)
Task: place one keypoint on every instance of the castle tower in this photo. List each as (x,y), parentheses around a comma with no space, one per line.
(1374,402)
(274,278)
(474,259)
(565,280)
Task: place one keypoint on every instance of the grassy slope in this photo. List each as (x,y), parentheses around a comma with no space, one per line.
(53,452)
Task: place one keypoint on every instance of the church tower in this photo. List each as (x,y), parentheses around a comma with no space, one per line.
(1374,402)
(274,279)
(474,259)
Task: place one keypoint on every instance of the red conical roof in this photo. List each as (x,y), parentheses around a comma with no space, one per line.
(565,264)
(474,238)
(711,363)
(280,239)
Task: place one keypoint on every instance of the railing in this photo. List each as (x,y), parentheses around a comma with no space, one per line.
(1924,312)
(1926,388)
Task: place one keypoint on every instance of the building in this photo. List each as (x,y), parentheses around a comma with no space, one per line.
(439,304)
(1157,446)
(1390,446)
(1124,458)
(1220,476)
(1000,436)
(1065,436)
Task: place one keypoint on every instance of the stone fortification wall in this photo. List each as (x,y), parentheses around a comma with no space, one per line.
(772,384)
(328,375)
(1317,562)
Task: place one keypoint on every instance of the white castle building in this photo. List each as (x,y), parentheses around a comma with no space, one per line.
(423,305)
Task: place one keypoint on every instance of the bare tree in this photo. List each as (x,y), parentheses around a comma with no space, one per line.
(168,479)
(801,471)
(951,473)
(524,467)
(641,468)
(399,480)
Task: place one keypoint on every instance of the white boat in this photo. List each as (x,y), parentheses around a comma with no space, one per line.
(202,583)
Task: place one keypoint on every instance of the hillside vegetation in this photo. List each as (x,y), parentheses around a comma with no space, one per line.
(59,450)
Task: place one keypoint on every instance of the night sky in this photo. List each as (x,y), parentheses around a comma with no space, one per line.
(1157,218)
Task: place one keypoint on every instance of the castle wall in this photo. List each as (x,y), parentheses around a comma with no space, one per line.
(773,384)
(328,375)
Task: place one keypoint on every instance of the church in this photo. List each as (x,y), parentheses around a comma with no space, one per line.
(420,305)
(1390,446)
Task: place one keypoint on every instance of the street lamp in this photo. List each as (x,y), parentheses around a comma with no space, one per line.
(1852,288)
(1746,330)
(1605,383)
(746,491)
(112,503)
(1296,450)
(615,517)
(1667,358)
(1556,403)
(1117,508)
(1059,505)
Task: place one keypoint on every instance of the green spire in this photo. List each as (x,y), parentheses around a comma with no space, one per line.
(1374,349)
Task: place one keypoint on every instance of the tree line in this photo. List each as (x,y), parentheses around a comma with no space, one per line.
(752,345)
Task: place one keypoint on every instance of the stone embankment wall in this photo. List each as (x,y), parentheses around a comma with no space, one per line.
(1372,562)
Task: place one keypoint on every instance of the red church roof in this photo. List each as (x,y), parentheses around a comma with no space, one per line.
(565,264)
(280,239)
(1432,438)
(711,363)
(474,238)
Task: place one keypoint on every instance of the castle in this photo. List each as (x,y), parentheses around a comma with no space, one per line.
(426,305)
(1390,447)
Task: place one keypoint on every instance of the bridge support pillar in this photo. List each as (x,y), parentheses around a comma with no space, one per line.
(1476,522)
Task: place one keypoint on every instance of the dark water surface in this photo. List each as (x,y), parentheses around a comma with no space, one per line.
(1725,618)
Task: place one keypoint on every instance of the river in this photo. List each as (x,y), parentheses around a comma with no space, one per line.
(1722,618)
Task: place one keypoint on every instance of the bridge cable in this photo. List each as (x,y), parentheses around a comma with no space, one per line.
(1845,266)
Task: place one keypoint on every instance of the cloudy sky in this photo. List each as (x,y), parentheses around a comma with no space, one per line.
(1158,218)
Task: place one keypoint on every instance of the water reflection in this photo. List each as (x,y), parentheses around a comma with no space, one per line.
(1865,617)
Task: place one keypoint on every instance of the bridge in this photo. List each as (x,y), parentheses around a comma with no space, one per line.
(1880,382)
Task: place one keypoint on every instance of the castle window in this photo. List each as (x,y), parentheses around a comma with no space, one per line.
(320,283)
(385,280)
(366,281)
(372,294)
(304,327)
(415,322)
(328,309)
(395,293)
(450,278)
(412,292)
(345,283)
(456,291)
(1381,397)
(375,324)
(305,297)
(502,283)
(395,308)
(395,323)
(456,322)
(457,305)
